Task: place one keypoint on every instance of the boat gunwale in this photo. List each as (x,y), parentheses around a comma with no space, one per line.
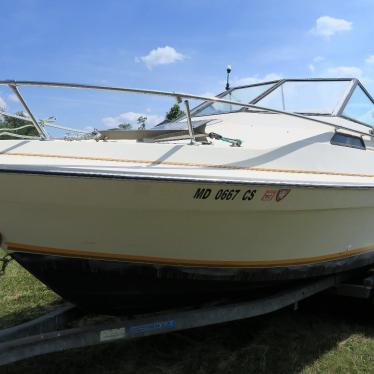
(163,178)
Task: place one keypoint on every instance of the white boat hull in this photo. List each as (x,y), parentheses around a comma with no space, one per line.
(153,221)
(116,245)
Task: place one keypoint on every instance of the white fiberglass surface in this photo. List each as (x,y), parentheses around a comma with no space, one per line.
(319,97)
(360,107)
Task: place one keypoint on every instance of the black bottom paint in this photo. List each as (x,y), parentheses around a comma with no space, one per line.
(115,287)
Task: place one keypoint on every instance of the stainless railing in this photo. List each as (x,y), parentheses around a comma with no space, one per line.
(177,95)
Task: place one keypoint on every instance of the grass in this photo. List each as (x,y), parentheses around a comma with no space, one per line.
(22,297)
(326,335)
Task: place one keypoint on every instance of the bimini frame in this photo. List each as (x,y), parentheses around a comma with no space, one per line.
(43,135)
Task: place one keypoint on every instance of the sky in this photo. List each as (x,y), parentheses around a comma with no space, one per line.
(181,46)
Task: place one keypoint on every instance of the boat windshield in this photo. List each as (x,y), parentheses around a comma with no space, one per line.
(314,97)
(307,97)
(243,95)
(360,107)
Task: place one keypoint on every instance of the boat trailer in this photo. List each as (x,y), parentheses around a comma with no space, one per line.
(53,332)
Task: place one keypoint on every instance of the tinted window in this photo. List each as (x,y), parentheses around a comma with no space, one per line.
(348,141)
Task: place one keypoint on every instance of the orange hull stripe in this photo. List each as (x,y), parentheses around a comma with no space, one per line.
(192,164)
(187,262)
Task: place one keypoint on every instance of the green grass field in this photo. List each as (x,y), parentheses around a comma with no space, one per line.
(326,335)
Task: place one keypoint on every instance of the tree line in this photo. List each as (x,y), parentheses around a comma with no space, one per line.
(174,113)
(7,122)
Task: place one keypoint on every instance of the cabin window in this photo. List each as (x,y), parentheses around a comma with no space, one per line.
(347,140)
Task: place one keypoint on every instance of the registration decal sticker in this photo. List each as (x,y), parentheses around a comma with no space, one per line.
(281,194)
(203,193)
(268,195)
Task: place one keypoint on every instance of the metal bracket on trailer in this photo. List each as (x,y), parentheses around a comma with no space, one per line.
(363,289)
(47,334)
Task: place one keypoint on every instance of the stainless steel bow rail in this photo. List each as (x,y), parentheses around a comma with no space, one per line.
(40,127)
(51,332)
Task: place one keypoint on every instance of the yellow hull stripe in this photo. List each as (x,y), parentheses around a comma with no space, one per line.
(191,164)
(18,247)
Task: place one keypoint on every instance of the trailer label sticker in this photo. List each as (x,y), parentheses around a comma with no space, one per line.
(224,194)
(281,194)
(154,326)
(113,334)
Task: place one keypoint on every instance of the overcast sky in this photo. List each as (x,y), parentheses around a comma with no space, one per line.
(180,45)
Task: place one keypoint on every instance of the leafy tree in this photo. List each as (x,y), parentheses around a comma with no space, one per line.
(141,122)
(174,113)
(122,127)
(125,126)
(11,122)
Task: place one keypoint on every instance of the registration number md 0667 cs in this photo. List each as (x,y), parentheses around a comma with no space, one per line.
(224,194)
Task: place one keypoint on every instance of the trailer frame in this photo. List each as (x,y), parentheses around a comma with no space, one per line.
(52,332)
